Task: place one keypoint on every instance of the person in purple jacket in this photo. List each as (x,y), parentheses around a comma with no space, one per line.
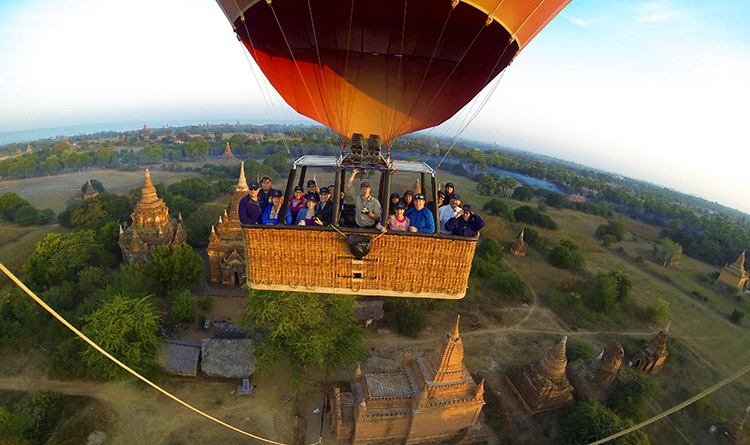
(466,223)
(248,208)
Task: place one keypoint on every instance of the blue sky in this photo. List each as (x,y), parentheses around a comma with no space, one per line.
(654,90)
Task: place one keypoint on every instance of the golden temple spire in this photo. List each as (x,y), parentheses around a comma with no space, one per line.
(242,183)
(454,333)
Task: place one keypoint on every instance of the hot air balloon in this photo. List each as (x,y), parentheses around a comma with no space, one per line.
(381,68)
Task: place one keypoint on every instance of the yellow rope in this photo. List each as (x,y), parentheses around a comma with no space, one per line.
(122,365)
(674,409)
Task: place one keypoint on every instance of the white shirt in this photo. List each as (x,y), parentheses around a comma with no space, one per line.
(446,213)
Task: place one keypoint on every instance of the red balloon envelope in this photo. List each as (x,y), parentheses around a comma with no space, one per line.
(385,67)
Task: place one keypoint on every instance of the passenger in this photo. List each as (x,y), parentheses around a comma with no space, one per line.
(431,205)
(366,207)
(248,208)
(408,199)
(312,189)
(450,211)
(467,223)
(325,209)
(264,197)
(271,213)
(306,216)
(297,202)
(421,219)
(398,221)
(394,199)
(449,191)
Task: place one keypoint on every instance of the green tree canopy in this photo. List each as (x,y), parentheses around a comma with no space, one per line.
(9,202)
(307,330)
(588,422)
(176,270)
(126,328)
(524,193)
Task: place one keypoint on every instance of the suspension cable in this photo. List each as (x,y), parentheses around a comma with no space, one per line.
(676,408)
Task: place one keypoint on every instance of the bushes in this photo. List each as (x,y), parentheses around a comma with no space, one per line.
(736,316)
(566,255)
(34,419)
(658,311)
(183,307)
(630,395)
(614,229)
(409,322)
(533,216)
(511,284)
(489,249)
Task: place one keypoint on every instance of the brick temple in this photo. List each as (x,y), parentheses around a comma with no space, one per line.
(226,244)
(151,227)
(430,398)
(653,354)
(734,275)
(519,247)
(734,430)
(543,385)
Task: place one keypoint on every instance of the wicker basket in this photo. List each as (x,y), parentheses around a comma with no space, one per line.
(302,259)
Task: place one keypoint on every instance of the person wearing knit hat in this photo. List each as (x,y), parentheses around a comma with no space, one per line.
(466,223)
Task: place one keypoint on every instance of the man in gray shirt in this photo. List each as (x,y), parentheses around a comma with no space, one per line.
(367,211)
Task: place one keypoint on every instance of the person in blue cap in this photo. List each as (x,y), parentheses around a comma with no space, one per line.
(324,217)
(297,202)
(450,211)
(248,207)
(367,207)
(312,189)
(271,213)
(306,217)
(421,219)
(466,223)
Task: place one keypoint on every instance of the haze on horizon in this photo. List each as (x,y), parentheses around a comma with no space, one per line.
(652,90)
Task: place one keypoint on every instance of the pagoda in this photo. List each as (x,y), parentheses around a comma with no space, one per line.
(89,191)
(28,148)
(227,153)
(653,354)
(519,247)
(429,399)
(543,385)
(733,431)
(151,227)
(226,244)
(734,274)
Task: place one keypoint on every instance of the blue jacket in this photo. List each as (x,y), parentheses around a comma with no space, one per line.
(266,217)
(249,211)
(423,219)
(461,227)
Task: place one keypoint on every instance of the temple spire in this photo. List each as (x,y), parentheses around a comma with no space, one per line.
(552,365)
(148,194)
(454,333)
(242,183)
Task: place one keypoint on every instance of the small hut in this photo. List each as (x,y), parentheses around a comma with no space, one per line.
(228,358)
(181,358)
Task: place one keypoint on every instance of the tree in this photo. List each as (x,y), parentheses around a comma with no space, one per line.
(588,422)
(183,307)
(631,394)
(278,162)
(306,330)
(9,202)
(615,229)
(602,293)
(409,322)
(506,184)
(524,193)
(488,185)
(624,284)
(566,255)
(196,149)
(495,207)
(126,328)
(176,270)
(658,311)
(667,252)
(98,186)
(59,258)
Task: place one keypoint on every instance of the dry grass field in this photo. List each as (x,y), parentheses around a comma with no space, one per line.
(56,192)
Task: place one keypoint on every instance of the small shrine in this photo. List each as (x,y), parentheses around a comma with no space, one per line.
(543,385)
(604,368)
(519,247)
(227,153)
(88,191)
(151,227)
(653,354)
(734,430)
(429,399)
(226,244)
(734,274)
